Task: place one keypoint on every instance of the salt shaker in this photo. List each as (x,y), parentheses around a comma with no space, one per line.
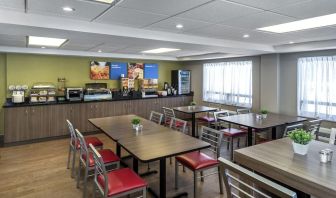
(324,156)
(330,152)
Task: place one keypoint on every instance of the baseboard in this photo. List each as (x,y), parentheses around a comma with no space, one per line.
(2,140)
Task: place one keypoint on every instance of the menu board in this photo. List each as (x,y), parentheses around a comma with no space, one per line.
(135,70)
(99,70)
(151,71)
(117,68)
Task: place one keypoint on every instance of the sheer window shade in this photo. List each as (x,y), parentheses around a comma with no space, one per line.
(317,87)
(228,83)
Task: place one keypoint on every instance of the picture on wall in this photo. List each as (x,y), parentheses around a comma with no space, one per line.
(99,70)
(135,70)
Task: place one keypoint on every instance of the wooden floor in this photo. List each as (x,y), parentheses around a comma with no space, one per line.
(39,170)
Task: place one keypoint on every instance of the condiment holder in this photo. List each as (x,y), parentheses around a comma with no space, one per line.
(138,128)
(326,155)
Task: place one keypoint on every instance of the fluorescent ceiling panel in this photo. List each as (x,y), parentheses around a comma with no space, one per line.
(45,41)
(105,1)
(160,50)
(304,24)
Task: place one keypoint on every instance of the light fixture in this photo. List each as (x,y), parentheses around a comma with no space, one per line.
(291,42)
(105,1)
(246,36)
(179,26)
(45,41)
(315,22)
(68,9)
(100,51)
(160,50)
(43,47)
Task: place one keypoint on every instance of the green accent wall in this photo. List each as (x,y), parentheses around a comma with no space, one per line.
(18,69)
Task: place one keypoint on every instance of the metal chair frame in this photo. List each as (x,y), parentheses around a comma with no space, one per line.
(173,125)
(156,117)
(168,114)
(100,169)
(235,186)
(290,128)
(313,126)
(85,163)
(214,138)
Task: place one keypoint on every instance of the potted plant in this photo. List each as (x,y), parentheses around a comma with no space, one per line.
(192,104)
(135,122)
(301,139)
(264,113)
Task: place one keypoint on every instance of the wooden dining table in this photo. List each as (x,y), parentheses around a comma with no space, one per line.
(272,121)
(154,143)
(306,174)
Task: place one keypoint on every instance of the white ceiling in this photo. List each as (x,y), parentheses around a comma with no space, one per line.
(132,26)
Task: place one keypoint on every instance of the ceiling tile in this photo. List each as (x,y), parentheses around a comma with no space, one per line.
(308,9)
(317,34)
(84,10)
(170,25)
(129,17)
(218,11)
(167,7)
(12,40)
(266,4)
(17,5)
(258,20)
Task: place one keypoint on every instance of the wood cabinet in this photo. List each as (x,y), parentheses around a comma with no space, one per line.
(36,122)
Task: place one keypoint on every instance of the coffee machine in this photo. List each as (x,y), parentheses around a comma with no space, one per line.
(18,93)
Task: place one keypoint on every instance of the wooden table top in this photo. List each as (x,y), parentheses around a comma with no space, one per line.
(161,145)
(276,160)
(118,127)
(272,120)
(194,109)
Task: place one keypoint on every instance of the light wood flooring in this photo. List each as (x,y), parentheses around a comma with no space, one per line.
(39,170)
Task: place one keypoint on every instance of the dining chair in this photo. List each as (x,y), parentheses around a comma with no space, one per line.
(168,114)
(116,183)
(332,137)
(86,160)
(178,125)
(198,161)
(240,182)
(313,126)
(156,117)
(290,128)
(229,133)
(74,145)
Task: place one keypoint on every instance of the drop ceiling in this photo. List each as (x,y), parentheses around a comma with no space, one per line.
(132,26)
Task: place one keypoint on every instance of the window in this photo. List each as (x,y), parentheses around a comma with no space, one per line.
(317,87)
(228,83)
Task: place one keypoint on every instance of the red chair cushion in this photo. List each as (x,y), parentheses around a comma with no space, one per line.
(244,128)
(231,132)
(91,140)
(206,119)
(196,160)
(107,155)
(178,124)
(120,181)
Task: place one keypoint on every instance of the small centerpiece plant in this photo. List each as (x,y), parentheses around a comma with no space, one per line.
(192,105)
(135,122)
(301,139)
(264,113)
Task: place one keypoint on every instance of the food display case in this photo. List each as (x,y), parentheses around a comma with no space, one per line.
(149,87)
(42,93)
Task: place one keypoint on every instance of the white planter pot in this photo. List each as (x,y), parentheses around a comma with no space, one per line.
(135,126)
(300,148)
(264,116)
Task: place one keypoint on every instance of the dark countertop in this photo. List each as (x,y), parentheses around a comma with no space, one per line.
(9,104)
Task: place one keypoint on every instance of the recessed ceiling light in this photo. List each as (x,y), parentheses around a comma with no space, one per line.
(105,1)
(246,36)
(45,41)
(42,47)
(68,9)
(291,42)
(304,24)
(179,26)
(160,50)
(99,51)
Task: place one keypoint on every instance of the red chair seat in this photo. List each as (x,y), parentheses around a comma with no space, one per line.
(244,128)
(178,124)
(196,160)
(121,180)
(107,155)
(206,119)
(91,140)
(231,132)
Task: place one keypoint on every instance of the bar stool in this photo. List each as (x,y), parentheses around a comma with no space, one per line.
(75,145)
(109,158)
(116,183)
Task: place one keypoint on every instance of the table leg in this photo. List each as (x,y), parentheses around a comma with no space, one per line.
(163,178)
(274,135)
(118,150)
(193,123)
(135,165)
(249,136)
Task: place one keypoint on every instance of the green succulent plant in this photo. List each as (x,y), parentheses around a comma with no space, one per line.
(263,111)
(136,121)
(300,136)
(193,103)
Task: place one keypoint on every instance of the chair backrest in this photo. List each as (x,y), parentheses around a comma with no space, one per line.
(332,138)
(240,181)
(314,127)
(156,117)
(243,111)
(290,128)
(219,123)
(178,124)
(168,114)
(99,170)
(213,137)
(83,147)
(73,137)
